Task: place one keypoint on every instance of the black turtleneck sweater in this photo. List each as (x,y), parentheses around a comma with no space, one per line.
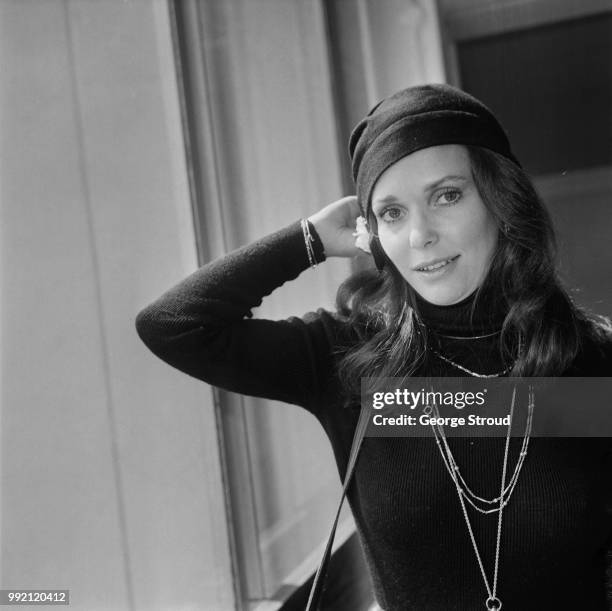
(557,527)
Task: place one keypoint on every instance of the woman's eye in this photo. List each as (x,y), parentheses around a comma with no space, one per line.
(448,197)
(392,214)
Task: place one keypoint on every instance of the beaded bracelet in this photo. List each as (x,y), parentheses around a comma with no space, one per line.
(308,240)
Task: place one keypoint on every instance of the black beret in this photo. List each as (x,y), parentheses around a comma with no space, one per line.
(416,118)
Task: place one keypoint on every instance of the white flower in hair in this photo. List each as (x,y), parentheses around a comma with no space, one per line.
(361,234)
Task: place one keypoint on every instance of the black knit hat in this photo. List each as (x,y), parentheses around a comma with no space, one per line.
(414,119)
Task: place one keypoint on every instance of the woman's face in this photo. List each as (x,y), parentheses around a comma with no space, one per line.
(433,224)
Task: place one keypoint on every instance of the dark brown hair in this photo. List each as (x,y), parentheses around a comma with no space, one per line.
(383,309)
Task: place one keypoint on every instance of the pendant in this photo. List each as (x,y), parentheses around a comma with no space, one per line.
(493,604)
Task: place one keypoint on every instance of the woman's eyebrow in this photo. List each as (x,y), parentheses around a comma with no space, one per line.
(391,199)
(437,183)
(388,199)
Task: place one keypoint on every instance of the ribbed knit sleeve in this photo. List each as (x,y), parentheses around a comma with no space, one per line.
(203,325)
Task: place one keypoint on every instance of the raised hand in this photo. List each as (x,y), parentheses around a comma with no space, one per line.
(335,224)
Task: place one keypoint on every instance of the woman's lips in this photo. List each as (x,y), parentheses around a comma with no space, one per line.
(439,268)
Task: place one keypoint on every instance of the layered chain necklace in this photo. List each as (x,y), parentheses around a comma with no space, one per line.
(469,371)
(464,492)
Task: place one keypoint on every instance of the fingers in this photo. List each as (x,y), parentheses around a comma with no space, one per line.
(354,209)
(351,200)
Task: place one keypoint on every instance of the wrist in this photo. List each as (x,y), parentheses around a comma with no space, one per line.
(321,233)
(313,245)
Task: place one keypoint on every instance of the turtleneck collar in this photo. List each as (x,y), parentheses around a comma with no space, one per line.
(457,320)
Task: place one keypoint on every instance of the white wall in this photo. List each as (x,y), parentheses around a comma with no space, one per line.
(110,473)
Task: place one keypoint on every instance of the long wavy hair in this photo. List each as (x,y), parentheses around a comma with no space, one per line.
(541,317)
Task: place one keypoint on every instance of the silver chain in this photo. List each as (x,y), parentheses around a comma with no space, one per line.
(470,496)
(475,373)
(468,336)
(472,373)
(492,603)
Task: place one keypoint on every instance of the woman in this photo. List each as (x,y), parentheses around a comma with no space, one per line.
(466,285)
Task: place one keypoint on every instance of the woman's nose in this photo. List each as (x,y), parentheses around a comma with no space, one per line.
(422,234)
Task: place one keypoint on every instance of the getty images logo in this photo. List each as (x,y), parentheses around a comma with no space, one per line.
(422,398)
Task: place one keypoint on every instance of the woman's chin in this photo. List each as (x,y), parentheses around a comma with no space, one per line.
(445,297)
